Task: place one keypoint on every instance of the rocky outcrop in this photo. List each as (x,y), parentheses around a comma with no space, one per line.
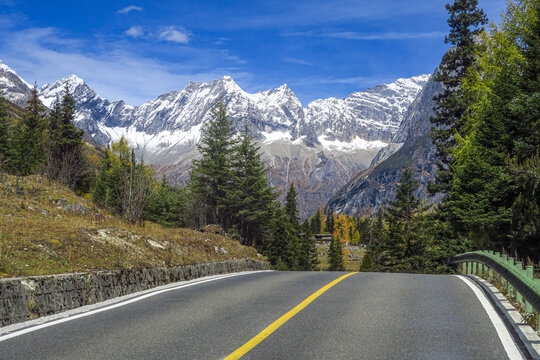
(374,187)
(12,87)
(23,299)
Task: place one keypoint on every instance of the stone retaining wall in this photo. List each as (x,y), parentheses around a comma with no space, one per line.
(23,299)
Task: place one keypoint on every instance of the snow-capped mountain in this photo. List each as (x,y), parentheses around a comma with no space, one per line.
(411,145)
(319,147)
(12,87)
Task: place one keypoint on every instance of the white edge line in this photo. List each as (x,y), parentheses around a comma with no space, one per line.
(508,343)
(117,305)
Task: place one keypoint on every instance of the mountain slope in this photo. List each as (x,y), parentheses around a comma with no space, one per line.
(318,147)
(373,187)
(13,87)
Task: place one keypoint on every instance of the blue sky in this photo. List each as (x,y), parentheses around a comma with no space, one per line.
(136,50)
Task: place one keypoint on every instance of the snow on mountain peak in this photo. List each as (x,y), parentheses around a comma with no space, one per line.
(73,80)
(329,139)
(5,68)
(13,87)
(49,93)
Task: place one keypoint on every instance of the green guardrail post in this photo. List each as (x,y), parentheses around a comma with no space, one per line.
(510,287)
(530,274)
(519,298)
(475,268)
(504,258)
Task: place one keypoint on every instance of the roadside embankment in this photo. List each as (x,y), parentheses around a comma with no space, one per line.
(28,298)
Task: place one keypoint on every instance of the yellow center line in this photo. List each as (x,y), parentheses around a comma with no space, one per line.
(242,350)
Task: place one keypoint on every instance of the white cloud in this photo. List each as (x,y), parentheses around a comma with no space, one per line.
(227,56)
(352,35)
(385,36)
(116,73)
(358,81)
(134,31)
(297,61)
(221,41)
(127,9)
(174,34)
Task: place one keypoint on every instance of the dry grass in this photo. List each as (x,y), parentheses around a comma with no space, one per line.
(38,237)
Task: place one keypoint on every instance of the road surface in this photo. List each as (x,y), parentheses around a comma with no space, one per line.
(363,316)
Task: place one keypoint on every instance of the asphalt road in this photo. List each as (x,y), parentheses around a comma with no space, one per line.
(365,316)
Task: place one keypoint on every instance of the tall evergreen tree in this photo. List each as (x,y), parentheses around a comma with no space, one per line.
(404,243)
(211,176)
(316,222)
(524,24)
(465,20)
(364,226)
(66,161)
(335,255)
(330,223)
(251,196)
(293,220)
(501,90)
(26,153)
(291,208)
(5,133)
(282,250)
(308,260)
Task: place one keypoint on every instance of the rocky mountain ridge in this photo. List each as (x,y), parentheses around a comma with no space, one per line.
(373,188)
(318,146)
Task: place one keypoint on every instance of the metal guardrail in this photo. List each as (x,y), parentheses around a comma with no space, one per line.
(520,280)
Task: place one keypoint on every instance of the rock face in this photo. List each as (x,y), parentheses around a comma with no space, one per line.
(12,87)
(373,187)
(28,298)
(318,147)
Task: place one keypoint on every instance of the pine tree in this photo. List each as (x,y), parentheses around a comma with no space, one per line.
(330,223)
(282,252)
(291,208)
(26,153)
(364,229)
(308,259)
(500,127)
(367,262)
(335,255)
(251,196)
(523,23)
(291,212)
(169,206)
(66,161)
(404,243)
(5,133)
(465,18)
(211,176)
(316,222)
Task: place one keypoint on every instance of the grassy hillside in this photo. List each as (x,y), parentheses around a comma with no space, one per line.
(47,229)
